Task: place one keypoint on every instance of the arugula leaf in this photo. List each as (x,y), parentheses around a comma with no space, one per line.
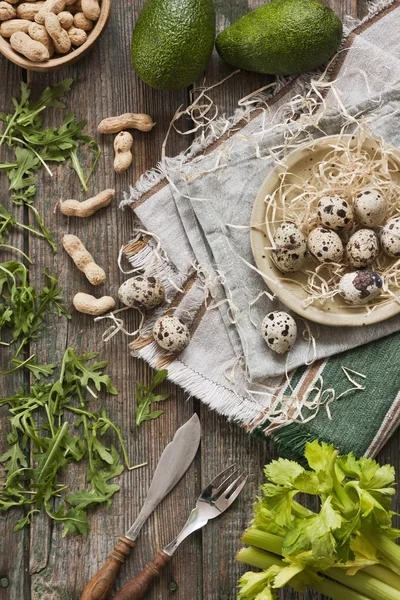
(7,221)
(75,521)
(51,459)
(22,309)
(21,523)
(102,451)
(45,232)
(54,139)
(51,95)
(38,419)
(14,460)
(145,398)
(21,177)
(51,296)
(36,145)
(84,499)
(76,368)
(37,371)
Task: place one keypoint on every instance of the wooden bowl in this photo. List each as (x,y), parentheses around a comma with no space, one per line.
(297,168)
(61,61)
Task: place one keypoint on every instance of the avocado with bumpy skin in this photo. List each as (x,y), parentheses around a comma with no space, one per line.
(173,41)
(284,37)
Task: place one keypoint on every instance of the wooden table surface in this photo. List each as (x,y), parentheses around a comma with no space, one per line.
(38,564)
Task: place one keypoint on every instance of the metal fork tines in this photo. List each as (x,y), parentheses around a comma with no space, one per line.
(223,489)
(216,497)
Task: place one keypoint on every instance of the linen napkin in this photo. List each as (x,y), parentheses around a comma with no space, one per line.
(194,211)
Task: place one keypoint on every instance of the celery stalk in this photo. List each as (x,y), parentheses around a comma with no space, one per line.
(262,560)
(264,540)
(384,574)
(361,582)
(258,558)
(387,548)
(336,591)
(365,584)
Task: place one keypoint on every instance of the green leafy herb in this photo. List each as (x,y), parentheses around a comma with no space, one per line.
(20,177)
(35,145)
(7,221)
(352,531)
(22,309)
(146,397)
(37,371)
(55,421)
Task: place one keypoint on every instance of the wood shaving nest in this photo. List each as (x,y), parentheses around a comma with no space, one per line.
(346,170)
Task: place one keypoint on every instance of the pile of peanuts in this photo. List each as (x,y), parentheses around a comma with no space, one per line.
(38,30)
(86,303)
(124,140)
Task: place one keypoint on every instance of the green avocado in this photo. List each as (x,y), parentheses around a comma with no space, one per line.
(284,37)
(173,41)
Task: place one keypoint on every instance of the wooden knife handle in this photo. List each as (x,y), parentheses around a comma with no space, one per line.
(137,587)
(100,586)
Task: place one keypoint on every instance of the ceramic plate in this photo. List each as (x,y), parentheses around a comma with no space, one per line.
(298,167)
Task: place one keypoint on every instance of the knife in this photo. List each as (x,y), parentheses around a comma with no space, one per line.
(174,462)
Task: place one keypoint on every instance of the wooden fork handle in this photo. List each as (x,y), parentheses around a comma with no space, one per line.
(100,586)
(137,587)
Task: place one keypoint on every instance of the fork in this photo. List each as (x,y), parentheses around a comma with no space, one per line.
(216,497)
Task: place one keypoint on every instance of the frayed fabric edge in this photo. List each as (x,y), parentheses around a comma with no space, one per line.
(215,130)
(214,395)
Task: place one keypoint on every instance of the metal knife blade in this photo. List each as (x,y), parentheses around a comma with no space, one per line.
(174,462)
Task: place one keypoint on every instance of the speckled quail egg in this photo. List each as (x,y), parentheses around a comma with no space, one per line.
(370,208)
(390,237)
(362,248)
(171,334)
(289,248)
(279,331)
(360,287)
(141,292)
(335,212)
(325,245)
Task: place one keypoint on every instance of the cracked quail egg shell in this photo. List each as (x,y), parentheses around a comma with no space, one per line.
(360,287)
(279,331)
(335,212)
(325,245)
(171,334)
(141,292)
(289,248)
(390,237)
(370,208)
(362,248)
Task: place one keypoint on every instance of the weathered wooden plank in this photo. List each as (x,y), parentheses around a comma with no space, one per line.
(105,84)
(226,444)
(14,581)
